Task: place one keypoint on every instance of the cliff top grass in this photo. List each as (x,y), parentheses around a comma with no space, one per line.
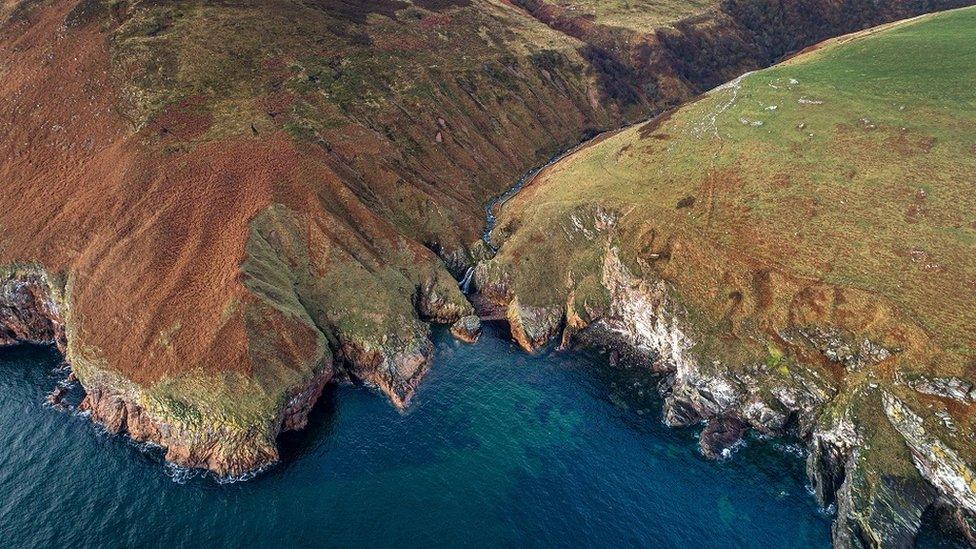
(848,169)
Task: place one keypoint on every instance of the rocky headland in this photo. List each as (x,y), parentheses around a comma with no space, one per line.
(794,278)
(218,209)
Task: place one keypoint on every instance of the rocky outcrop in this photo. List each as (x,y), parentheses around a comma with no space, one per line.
(720,436)
(937,462)
(644,315)
(31,306)
(221,447)
(830,448)
(533,327)
(35,310)
(227,453)
(946,387)
(875,509)
(467,328)
(395,372)
(844,349)
(439,301)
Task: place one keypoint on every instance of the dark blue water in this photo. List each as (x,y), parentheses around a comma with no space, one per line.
(498,448)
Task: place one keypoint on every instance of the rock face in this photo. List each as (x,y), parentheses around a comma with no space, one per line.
(720,436)
(533,327)
(467,328)
(946,387)
(227,453)
(937,462)
(876,508)
(30,307)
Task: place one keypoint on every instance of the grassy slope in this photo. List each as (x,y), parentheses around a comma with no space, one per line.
(861,161)
(834,189)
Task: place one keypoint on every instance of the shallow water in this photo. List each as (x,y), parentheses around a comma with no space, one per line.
(498,448)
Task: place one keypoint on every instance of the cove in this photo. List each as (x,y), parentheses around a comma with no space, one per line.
(497,448)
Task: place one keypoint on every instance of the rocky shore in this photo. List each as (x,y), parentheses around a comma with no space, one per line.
(875,507)
(210,248)
(216,438)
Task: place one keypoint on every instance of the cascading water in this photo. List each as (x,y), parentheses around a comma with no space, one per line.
(465,283)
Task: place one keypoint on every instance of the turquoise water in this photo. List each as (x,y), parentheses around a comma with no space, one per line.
(498,448)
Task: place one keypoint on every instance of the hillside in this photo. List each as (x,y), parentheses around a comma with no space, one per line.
(796,251)
(218,208)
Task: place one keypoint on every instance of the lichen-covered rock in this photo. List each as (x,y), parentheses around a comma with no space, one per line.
(219,444)
(642,312)
(395,368)
(830,448)
(935,460)
(31,306)
(844,349)
(440,300)
(467,328)
(879,509)
(533,327)
(946,387)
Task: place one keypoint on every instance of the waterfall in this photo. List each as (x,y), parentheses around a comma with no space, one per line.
(465,284)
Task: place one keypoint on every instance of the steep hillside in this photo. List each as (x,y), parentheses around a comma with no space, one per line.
(215,208)
(796,251)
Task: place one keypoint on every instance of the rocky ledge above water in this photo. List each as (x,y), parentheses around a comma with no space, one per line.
(224,422)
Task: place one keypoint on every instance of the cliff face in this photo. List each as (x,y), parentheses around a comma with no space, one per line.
(769,250)
(856,464)
(223,205)
(31,307)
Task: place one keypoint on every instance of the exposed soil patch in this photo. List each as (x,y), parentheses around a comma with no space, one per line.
(649,128)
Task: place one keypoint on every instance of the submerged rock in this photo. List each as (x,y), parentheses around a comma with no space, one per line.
(56,396)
